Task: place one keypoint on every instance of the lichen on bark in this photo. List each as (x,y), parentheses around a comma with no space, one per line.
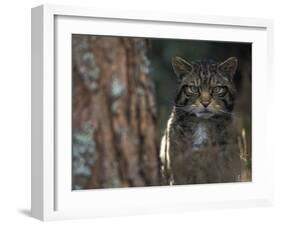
(113,92)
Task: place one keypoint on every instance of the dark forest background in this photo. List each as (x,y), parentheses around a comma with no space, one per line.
(123,90)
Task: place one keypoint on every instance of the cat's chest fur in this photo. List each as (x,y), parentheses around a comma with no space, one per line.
(196,135)
(200,151)
(200,136)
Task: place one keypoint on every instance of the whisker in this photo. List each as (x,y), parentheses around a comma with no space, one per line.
(225,112)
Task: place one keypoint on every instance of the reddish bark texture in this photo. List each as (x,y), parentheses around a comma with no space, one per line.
(112,91)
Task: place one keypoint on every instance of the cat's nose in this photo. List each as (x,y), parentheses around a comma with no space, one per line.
(205,99)
(205,103)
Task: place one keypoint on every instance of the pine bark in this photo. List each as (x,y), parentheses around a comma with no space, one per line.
(113,97)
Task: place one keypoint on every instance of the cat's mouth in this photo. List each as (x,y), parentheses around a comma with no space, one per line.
(204,114)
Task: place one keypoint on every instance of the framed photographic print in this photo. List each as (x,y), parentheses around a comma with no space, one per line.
(136,112)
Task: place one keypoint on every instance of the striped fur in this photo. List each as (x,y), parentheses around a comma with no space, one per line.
(199,130)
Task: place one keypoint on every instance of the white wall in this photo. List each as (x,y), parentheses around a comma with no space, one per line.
(15,111)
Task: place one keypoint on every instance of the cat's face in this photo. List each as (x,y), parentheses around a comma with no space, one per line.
(205,89)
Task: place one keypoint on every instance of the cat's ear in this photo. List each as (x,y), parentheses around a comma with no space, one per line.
(228,67)
(181,67)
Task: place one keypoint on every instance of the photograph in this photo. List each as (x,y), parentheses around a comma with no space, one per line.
(160,112)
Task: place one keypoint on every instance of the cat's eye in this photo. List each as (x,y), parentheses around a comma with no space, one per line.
(220,90)
(193,89)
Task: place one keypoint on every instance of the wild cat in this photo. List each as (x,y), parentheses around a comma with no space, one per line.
(199,144)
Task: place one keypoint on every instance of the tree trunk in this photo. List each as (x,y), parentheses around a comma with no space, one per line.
(114,128)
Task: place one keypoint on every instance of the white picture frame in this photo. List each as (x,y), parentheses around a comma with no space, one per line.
(52,197)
